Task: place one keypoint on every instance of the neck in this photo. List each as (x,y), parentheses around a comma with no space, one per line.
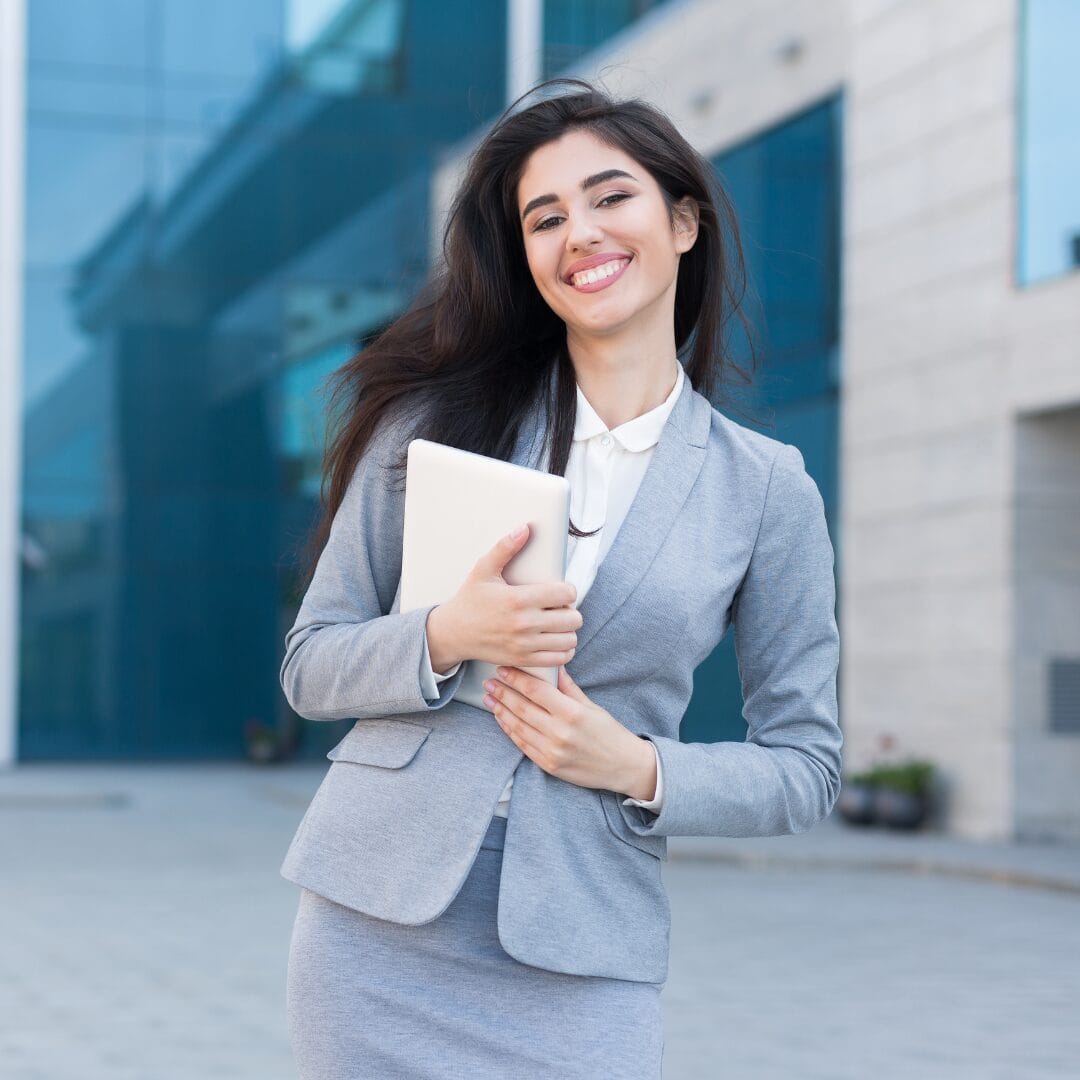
(623,382)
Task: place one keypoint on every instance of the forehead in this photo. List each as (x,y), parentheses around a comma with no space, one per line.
(558,167)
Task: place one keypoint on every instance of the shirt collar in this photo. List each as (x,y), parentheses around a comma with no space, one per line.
(638,434)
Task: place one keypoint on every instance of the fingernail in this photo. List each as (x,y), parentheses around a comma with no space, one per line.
(517,532)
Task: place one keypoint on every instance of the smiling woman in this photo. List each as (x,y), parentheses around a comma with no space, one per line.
(481,887)
(496,313)
(616,237)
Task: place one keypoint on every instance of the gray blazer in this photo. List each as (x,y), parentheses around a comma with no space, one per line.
(727,528)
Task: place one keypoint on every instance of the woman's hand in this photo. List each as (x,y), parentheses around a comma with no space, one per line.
(489,619)
(569,736)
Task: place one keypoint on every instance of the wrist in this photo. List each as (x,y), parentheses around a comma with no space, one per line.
(440,638)
(641,774)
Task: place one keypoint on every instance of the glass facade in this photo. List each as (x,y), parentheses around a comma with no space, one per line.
(223,199)
(1049,168)
(785,184)
(573,28)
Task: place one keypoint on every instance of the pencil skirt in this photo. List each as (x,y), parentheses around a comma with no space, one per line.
(368,998)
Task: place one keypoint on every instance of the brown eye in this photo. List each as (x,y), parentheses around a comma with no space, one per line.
(542,226)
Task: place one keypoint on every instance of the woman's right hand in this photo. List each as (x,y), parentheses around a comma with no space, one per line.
(514,625)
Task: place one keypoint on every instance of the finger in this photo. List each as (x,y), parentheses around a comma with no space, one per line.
(493,562)
(538,691)
(560,641)
(548,595)
(569,687)
(564,620)
(519,732)
(548,659)
(523,710)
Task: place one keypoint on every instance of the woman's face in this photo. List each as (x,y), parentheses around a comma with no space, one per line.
(618,228)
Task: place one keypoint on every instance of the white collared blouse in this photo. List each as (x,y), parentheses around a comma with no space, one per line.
(605,469)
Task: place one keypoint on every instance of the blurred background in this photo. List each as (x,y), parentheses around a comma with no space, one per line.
(207,206)
(221,201)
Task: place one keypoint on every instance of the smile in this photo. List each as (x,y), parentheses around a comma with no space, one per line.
(600,277)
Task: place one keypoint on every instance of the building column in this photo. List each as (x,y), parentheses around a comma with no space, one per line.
(524,46)
(12,141)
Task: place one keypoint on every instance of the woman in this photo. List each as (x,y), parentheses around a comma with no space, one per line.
(482,893)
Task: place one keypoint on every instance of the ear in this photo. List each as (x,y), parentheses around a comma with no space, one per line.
(686,223)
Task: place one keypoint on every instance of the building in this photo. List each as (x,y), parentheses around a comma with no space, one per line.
(221,201)
(906,181)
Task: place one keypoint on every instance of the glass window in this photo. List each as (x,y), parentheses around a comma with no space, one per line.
(103,37)
(222,196)
(572,29)
(1049,233)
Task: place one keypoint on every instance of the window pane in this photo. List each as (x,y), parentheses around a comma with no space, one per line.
(1050,144)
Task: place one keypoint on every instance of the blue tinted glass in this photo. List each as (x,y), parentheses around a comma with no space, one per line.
(303,429)
(246,39)
(112,36)
(573,28)
(1050,146)
(785,187)
(68,94)
(210,226)
(53,342)
(357,51)
(81,177)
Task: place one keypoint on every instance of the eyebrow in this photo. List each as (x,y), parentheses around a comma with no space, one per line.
(588,182)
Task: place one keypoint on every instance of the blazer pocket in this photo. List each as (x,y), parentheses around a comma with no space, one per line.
(653,845)
(387,743)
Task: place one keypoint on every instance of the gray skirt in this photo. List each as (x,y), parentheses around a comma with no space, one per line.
(368,998)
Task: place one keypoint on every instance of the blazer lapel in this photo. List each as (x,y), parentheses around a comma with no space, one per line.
(676,462)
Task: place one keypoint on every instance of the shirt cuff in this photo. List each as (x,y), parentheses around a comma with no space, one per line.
(428,677)
(656,801)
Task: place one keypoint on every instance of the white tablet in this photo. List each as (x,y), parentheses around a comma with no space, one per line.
(457,506)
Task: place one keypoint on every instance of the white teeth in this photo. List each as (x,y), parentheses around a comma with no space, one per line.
(598,273)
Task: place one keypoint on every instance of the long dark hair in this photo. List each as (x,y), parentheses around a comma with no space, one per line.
(472,352)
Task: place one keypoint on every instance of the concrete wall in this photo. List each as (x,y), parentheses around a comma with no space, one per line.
(942,351)
(1046,621)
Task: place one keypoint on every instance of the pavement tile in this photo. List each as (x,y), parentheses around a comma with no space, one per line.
(147,931)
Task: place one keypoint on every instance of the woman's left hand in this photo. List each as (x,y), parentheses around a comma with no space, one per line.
(566,734)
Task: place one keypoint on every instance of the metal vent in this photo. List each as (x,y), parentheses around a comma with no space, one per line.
(1065,696)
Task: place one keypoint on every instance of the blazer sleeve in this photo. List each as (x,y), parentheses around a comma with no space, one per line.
(347,655)
(429,677)
(785,776)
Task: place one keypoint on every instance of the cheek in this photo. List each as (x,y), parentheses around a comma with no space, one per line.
(540,265)
(543,271)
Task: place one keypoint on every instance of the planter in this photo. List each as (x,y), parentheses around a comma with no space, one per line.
(899,809)
(263,751)
(856,803)
(265,745)
(899,795)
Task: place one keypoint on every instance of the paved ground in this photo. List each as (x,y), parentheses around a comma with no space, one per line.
(146,932)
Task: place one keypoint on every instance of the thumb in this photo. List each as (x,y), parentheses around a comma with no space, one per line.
(504,550)
(571,688)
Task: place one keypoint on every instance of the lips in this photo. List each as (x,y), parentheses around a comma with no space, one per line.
(590,262)
(607,280)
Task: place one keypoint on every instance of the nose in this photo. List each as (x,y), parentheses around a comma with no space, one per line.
(584,230)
